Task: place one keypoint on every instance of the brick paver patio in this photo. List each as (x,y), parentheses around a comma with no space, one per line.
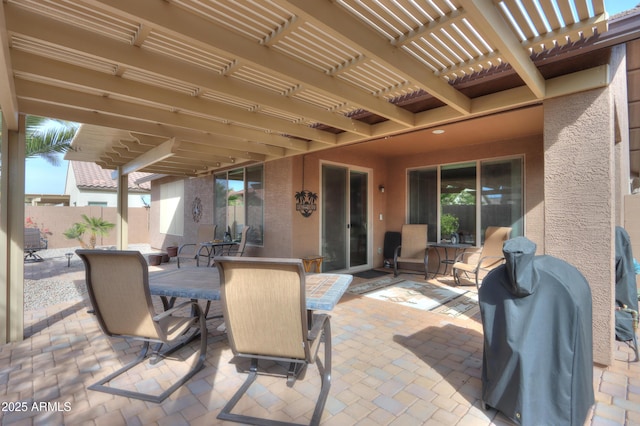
(392,365)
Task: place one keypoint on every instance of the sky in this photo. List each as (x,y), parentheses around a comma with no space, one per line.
(42,178)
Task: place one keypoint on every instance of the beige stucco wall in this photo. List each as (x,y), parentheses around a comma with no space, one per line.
(57,219)
(579,199)
(584,189)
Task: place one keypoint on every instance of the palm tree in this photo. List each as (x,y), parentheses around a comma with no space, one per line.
(95,225)
(48,137)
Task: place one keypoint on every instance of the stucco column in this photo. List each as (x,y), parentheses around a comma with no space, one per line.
(579,187)
(12,233)
(122,223)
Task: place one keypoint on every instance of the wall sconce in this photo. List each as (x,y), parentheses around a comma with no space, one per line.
(381,188)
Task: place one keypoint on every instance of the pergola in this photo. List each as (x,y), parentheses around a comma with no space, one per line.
(186,87)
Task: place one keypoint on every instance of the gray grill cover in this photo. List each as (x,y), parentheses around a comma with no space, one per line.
(626,290)
(538,355)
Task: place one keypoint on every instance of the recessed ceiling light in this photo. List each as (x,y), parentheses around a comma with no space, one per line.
(437,131)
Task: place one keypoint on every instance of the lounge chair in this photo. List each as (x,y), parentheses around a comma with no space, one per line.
(478,262)
(118,285)
(413,247)
(263,302)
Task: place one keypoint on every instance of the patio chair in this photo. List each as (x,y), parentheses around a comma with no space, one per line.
(238,250)
(263,302)
(478,262)
(191,251)
(413,247)
(118,285)
(33,243)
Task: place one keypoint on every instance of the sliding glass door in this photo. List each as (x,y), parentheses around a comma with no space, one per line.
(345,218)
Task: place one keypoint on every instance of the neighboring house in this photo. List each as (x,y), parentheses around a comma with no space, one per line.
(90,185)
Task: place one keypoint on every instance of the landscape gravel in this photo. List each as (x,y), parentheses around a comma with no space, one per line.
(51,281)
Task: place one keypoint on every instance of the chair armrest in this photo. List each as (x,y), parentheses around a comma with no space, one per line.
(482,259)
(318,325)
(467,252)
(186,245)
(171,311)
(396,252)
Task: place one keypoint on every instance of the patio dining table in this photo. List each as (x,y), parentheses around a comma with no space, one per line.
(323,291)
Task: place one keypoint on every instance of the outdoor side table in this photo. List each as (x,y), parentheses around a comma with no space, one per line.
(445,247)
(310,261)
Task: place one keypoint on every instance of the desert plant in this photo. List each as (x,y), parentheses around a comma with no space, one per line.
(94,225)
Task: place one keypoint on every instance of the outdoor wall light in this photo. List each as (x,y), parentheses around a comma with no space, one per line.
(381,188)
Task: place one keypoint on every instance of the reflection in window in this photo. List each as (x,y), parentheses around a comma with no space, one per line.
(501,198)
(239,201)
(423,196)
(502,203)
(458,200)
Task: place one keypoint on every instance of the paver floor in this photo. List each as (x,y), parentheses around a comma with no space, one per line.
(392,365)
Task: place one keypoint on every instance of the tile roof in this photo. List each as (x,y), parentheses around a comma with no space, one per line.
(91,176)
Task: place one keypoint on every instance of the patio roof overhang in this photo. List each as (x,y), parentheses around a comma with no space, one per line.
(185,87)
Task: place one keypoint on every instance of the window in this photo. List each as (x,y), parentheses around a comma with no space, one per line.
(239,201)
(97,203)
(502,200)
(437,194)
(458,200)
(171,208)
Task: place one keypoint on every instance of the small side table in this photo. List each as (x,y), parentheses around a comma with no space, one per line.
(310,261)
(448,261)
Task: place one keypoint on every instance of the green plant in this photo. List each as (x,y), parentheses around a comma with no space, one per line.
(448,225)
(94,225)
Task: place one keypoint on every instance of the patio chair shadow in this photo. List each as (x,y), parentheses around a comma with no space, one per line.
(455,355)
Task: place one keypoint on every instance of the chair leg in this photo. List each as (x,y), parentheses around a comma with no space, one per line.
(456,278)
(100,385)
(325,373)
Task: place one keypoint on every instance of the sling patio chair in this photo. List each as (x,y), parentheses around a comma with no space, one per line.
(263,302)
(413,247)
(477,263)
(238,250)
(190,251)
(118,285)
(33,243)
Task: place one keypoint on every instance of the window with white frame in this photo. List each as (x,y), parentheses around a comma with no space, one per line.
(472,196)
(239,201)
